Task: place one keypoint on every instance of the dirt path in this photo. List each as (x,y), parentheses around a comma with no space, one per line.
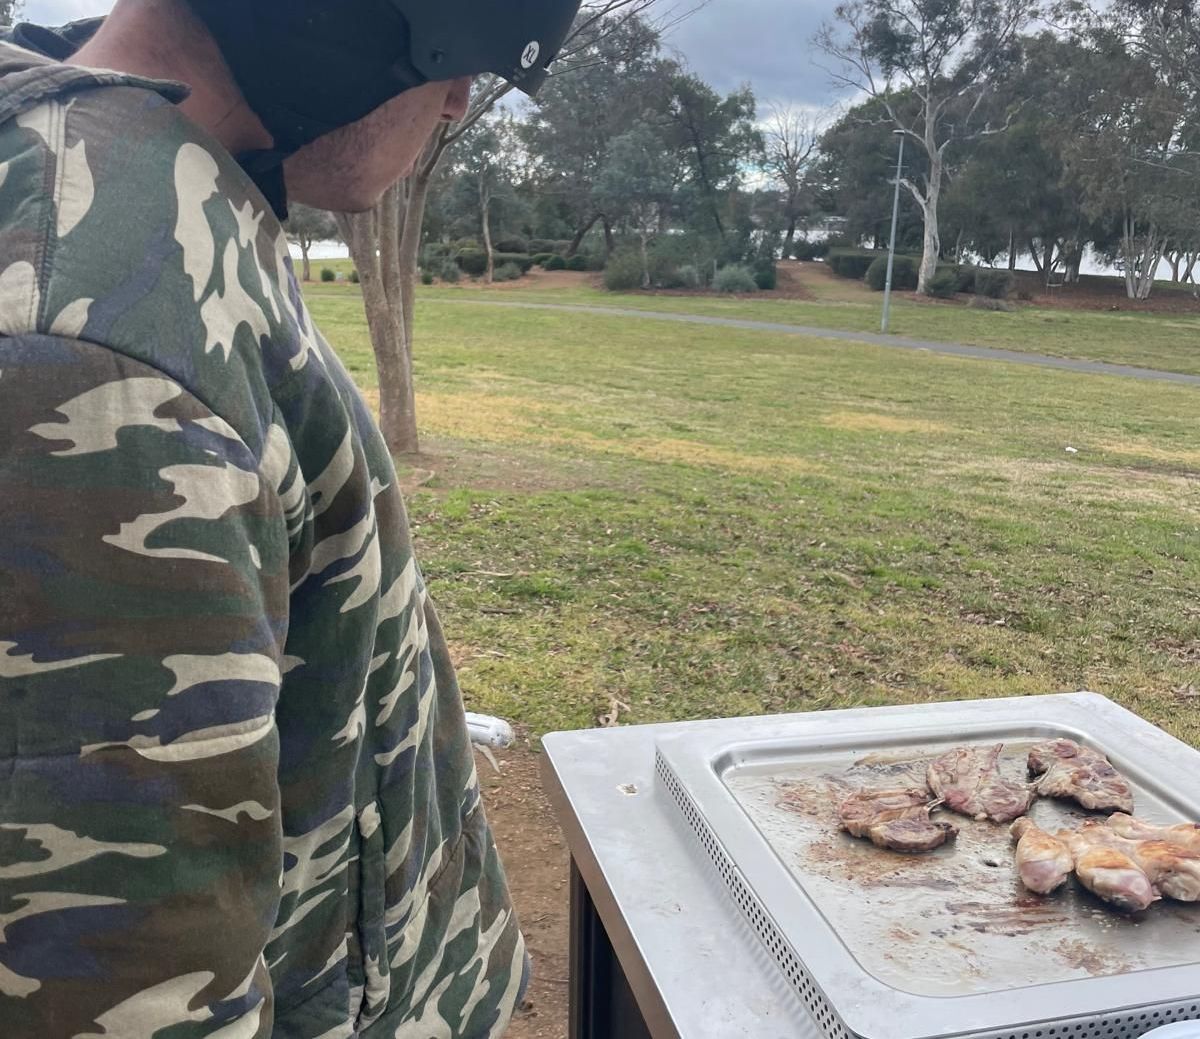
(535,856)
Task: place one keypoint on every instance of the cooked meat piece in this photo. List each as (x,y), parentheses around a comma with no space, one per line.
(1186,835)
(968,781)
(1043,861)
(1106,870)
(895,819)
(1079,774)
(1173,869)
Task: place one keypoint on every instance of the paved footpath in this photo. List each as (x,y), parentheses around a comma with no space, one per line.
(979,353)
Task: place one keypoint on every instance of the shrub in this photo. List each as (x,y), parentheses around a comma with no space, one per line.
(507,272)
(471,261)
(539,259)
(734,278)
(690,277)
(578,262)
(964,275)
(514,244)
(852,263)
(354,279)
(944,284)
(433,253)
(596,261)
(449,272)
(766,276)
(327,274)
(522,260)
(544,245)
(555,263)
(993,284)
(990,303)
(904,272)
(624,271)
(426,277)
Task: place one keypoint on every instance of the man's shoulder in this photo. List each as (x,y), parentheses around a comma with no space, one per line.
(122,223)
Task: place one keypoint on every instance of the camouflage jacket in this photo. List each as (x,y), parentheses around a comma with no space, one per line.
(237,798)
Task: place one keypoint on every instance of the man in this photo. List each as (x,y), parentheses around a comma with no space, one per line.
(237,798)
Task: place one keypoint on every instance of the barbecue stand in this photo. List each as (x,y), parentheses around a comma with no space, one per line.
(712,896)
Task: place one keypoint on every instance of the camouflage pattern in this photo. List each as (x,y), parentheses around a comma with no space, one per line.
(237,798)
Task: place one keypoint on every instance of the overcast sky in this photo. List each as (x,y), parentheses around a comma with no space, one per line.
(727,42)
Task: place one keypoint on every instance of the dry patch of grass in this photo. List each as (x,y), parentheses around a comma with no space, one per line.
(869,422)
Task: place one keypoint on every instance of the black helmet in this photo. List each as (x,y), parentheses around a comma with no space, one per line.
(307,67)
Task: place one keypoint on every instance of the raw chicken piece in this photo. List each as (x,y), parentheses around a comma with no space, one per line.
(968,780)
(895,819)
(1080,774)
(1186,835)
(1043,861)
(1106,870)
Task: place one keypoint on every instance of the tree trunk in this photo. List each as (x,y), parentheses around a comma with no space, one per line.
(929,209)
(368,236)
(1033,252)
(609,246)
(485,208)
(789,238)
(1175,259)
(645,260)
(1048,259)
(1012,250)
(579,235)
(304,246)
(958,246)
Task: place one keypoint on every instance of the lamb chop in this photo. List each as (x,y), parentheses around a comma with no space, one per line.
(1186,835)
(1106,870)
(1043,861)
(895,819)
(968,780)
(1079,774)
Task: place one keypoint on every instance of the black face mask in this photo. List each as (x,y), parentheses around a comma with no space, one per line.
(307,67)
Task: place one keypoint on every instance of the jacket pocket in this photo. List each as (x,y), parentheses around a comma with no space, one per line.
(377,978)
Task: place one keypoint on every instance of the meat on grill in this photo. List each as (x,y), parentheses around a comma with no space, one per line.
(1186,835)
(895,819)
(968,781)
(1044,862)
(1105,868)
(1080,774)
(1173,869)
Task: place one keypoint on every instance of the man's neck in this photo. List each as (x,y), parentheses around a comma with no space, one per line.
(162,39)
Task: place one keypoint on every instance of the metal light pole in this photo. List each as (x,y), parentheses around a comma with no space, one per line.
(887,287)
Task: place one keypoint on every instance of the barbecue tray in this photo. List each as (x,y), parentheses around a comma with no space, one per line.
(886,946)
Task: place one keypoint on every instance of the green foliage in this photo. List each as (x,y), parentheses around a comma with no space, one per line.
(905,270)
(426,277)
(522,260)
(803,250)
(964,275)
(993,284)
(596,261)
(734,278)
(944,284)
(852,263)
(471,261)
(624,271)
(507,272)
(548,245)
(689,277)
(578,262)
(512,245)
(328,274)
(449,272)
(766,275)
(555,263)
(354,279)
(539,259)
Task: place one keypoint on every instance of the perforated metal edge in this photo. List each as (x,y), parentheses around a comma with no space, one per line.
(781,951)
(1125,1025)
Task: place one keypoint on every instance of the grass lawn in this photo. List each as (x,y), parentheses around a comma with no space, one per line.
(1170,342)
(675,521)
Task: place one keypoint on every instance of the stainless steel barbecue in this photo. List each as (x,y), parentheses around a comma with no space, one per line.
(887,946)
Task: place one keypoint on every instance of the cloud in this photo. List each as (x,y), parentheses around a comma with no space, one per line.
(767,43)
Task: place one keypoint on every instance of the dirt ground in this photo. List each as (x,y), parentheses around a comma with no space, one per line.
(535,856)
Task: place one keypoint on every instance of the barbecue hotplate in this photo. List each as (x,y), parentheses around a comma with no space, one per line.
(892,946)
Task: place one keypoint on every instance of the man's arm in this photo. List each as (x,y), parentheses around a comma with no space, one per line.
(143,608)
